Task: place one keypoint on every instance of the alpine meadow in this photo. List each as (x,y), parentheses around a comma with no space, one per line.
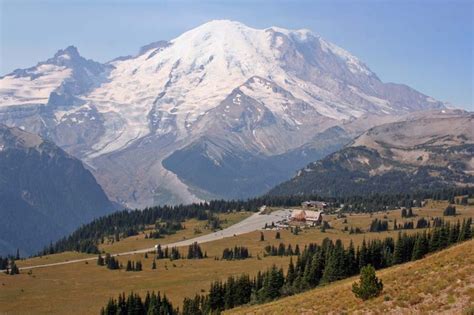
(246,159)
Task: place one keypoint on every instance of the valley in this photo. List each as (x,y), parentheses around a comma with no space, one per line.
(234,167)
(180,278)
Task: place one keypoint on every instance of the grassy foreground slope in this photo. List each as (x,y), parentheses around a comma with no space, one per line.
(83,288)
(440,283)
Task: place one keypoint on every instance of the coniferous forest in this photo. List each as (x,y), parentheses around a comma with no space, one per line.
(166,218)
(314,265)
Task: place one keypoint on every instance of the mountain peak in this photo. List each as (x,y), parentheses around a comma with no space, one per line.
(223,22)
(69,52)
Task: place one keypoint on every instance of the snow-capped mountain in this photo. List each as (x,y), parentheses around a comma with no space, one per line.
(54,81)
(223,93)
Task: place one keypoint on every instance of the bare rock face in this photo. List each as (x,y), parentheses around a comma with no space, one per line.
(226,94)
(44,192)
(430,150)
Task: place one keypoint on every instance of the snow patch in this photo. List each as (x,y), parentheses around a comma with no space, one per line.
(32,90)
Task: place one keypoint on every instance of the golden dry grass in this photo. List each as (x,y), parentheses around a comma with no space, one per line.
(49,259)
(440,283)
(82,288)
(191,227)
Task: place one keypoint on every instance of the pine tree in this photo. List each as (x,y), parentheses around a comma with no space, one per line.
(466,231)
(450,211)
(454,233)
(290,275)
(100,260)
(316,269)
(421,247)
(138,266)
(14,268)
(399,251)
(335,268)
(369,286)
(297,250)
(363,256)
(351,261)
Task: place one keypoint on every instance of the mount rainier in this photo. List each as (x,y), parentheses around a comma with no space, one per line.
(224,110)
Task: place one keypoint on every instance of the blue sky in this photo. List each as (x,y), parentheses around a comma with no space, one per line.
(427,45)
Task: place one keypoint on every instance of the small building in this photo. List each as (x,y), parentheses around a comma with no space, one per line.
(308,216)
(298,215)
(314,204)
(315,217)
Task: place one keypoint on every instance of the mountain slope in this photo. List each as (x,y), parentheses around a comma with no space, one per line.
(256,94)
(221,169)
(430,151)
(44,192)
(441,282)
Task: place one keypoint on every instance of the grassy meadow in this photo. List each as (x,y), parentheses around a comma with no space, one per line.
(440,283)
(83,288)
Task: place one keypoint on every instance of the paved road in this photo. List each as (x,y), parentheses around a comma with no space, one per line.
(253,223)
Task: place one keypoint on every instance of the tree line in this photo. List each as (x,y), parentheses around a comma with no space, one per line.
(322,264)
(236,253)
(281,250)
(120,224)
(133,304)
(164,228)
(172,253)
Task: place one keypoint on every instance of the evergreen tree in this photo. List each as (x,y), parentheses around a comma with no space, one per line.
(335,268)
(450,211)
(14,268)
(363,255)
(138,266)
(352,264)
(100,260)
(421,247)
(194,251)
(291,274)
(399,251)
(316,269)
(369,286)
(297,250)
(466,230)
